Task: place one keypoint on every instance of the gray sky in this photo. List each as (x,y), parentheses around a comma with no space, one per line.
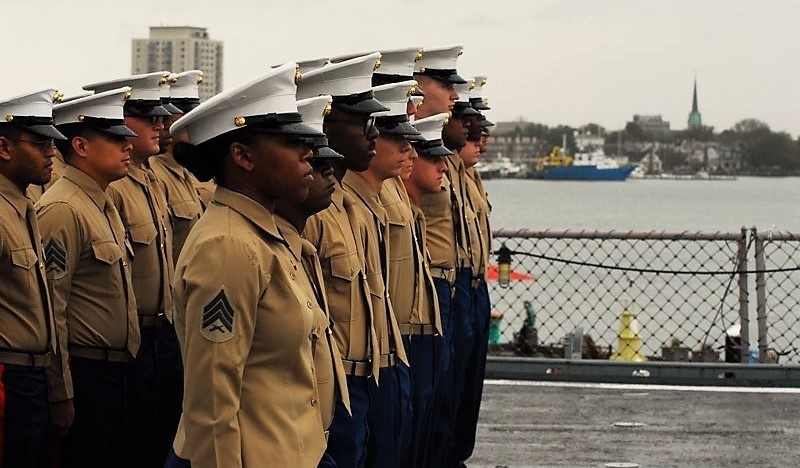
(549,61)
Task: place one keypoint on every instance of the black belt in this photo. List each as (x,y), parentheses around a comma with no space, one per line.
(99,354)
(357,368)
(416,329)
(153,320)
(21,358)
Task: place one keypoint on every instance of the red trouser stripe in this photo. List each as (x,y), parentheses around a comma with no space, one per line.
(2,414)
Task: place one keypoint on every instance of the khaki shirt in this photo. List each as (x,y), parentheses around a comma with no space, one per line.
(330,232)
(407,271)
(473,205)
(35,192)
(26,319)
(87,271)
(444,212)
(331,380)
(483,210)
(205,190)
(428,301)
(183,202)
(246,326)
(143,210)
(370,227)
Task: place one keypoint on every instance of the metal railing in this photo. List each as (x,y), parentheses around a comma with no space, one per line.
(632,296)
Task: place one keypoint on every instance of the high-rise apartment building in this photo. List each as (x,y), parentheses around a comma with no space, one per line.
(177,49)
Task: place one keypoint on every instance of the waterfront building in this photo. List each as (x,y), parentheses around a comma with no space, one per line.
(180,48)
(653,126)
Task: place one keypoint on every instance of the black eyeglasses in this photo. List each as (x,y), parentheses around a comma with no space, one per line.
(368,125)
(152,119)
(43,145)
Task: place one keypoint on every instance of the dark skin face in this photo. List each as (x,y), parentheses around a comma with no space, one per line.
(319,196)
(455,133)
(348,135)
(165,139)
(269,168)
(26,158)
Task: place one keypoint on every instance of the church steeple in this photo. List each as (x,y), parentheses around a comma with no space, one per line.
(695,119)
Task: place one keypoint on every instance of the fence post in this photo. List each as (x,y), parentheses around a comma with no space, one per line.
(761,297)
(744,318)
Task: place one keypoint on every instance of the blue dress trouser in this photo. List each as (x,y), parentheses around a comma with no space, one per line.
(155,396)
(470,402)
(97,437)
(389,417)
(347,441)
(24,417)
(421,351)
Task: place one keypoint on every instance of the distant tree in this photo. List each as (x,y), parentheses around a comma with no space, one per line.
(762,149)
(555,135)
(749,125)
(593,128)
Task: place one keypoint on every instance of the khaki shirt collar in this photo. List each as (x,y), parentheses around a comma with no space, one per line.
(87,184)
(172,165)
(138,174)
(13,195)
(250,209)
(290,234)
(365,194)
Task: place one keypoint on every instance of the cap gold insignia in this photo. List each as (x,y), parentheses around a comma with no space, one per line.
(377,64)
(173,80)
(471,85)
(164,80)
(127,95)
(57,96)
(411,91)
(199,78)
(420,53)
(9,118)
(80,118)
(298,76)
(461,52)
(420,102)
(484,80)
(446,121)
(486,101)
(327,109)
(421,69)
(239,121)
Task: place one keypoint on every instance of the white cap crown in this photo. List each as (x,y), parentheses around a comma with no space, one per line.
(394,96)
(107,105)
(340,79)
(314,110)
(144,87)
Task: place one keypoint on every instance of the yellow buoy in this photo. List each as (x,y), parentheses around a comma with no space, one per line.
(628,343)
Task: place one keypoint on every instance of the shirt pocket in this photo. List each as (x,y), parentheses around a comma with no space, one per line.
(143,234)
(24,280)
(345,288)
(400,236)
(184,209)
(107,252)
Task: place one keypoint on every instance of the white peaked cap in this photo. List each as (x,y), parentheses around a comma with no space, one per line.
(431,130)
(32,111)
(476,97)
(394,96)
(145,87)
(314,110)
(441,63)
(271,94)
(103,111)
(351,78)
(463,89)
(305,66)
(431,127)
(185,85)
(400,61)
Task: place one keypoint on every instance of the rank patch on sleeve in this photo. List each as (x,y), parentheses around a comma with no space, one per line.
(218,319)
(55,259)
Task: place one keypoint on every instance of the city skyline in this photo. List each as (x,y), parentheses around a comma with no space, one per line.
(548,61)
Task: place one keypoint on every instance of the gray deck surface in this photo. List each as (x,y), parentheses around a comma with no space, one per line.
(552,424)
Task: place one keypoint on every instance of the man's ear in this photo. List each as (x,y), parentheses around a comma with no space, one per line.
(5,148)
(80,146)
(242,156)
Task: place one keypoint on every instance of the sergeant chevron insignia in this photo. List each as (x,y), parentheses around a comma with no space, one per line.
(55,259)
(218,319)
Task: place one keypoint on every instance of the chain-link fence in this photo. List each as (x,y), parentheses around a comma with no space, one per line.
(649,295)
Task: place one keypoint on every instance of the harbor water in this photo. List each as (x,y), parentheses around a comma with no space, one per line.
(641,205)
